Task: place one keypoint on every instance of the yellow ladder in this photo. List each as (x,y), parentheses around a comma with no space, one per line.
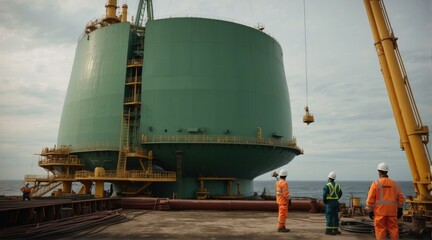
(124,142)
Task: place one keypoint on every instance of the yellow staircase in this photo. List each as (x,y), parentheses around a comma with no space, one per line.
(124,142)
(42,188)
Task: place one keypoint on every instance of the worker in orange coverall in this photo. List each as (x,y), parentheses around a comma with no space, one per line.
(384,201)
(26,190)
(282,198)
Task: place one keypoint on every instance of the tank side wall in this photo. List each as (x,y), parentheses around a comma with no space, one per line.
(93,105)
(215,75)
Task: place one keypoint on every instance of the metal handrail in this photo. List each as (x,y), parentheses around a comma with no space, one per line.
(218,139)
(137,150)
(72,160)
(135,62)
(94,147)
(127,174)
(30,178)
(135,98)
(134,79)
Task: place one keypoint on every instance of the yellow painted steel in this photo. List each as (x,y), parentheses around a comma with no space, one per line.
(392,94)
(86,188)
(413,134)
(66,186)
(203,193)
(99,189)
(110,17)
(356,202)
(99,172)
(41,188)
(124,13)
(259,135)
(111,7)
(53,158)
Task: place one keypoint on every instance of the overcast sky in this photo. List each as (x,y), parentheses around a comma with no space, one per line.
(354,128)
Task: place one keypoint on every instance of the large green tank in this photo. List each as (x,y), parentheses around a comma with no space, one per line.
(93,107)
(214,102)
(208,87)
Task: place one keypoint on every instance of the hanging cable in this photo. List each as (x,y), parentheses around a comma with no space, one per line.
(251,14)
(307,118)
(305,48)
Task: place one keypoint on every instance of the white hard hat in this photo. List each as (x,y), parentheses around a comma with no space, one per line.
(383,167)
(283,173)
(332,175)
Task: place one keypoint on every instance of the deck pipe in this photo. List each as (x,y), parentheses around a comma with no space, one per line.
(309,205)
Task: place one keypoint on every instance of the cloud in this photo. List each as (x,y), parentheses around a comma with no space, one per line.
(354,128)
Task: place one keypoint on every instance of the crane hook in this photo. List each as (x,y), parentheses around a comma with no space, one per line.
(308,117)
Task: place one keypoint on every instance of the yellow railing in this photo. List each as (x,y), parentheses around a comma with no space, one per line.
(84,174)
(54,150)
(137,150)
(135,62)
(32,178)
(94,147)
(218,139)
(71,160)
(140,174)
(111,173)
(106,147)
(65,176)
(136,98)
(146,174)
(44,178)
(133,79)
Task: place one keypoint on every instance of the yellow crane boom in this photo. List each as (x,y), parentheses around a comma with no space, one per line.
(413,134)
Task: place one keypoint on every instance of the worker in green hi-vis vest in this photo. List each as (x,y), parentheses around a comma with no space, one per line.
(332,194)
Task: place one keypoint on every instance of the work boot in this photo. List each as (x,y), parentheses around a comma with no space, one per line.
(330,232)
(337,231)
(283,229)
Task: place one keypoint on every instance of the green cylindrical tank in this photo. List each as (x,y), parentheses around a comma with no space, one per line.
(93,107)
(215,101)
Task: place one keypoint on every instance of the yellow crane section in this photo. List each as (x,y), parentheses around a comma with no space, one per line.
(414,135)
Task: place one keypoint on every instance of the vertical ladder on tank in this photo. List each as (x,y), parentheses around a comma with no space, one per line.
(124,142)
(179,157)
(150,163)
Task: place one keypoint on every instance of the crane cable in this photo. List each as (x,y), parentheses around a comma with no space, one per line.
(305,44)
(251,14)
(308,118)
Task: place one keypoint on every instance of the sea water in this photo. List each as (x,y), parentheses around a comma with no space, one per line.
(312,189)
(12,187)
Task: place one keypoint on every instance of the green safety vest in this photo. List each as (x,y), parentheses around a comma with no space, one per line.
(333,191)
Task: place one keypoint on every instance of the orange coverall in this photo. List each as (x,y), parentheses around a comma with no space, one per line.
(282,197)
(26,190)
(385,197)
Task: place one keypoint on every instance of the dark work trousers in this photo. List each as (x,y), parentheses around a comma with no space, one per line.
(332,216)
(26,196)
